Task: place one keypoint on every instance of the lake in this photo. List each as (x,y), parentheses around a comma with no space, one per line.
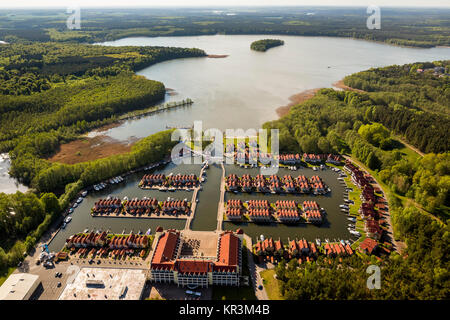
(244,89)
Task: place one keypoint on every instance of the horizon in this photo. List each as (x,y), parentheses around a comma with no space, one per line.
(230,4)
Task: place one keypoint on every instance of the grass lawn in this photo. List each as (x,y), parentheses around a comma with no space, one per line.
(5,274)
(271,284)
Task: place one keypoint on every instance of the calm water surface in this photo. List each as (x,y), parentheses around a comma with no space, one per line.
(244,89)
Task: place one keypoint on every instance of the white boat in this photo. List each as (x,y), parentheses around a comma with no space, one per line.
(342,242)
(318,242)
(261,237)
(149,231)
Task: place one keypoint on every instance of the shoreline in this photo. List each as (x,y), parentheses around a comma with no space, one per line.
(296,99)
(340,85)
(217,56)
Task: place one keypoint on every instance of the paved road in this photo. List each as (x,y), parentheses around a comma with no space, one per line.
(256,279)
(221,207)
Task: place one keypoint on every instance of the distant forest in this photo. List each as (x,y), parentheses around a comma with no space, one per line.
(407,26)
(265,44)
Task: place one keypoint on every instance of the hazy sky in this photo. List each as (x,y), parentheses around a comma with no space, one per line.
(210,3)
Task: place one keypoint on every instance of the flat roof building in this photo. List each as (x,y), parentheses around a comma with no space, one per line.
(19,286)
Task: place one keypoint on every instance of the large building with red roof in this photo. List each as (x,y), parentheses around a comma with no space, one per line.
(169,265)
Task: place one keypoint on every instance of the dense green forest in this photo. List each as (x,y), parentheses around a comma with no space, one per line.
(265,44)
(53,92)
(24,217)
(419,197)
(421,273)
(420,27)
(50,94)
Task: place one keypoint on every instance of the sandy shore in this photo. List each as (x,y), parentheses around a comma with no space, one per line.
(340,85)
(296,99)
(217,56)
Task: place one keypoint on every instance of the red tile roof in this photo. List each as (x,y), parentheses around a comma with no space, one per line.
(165,248)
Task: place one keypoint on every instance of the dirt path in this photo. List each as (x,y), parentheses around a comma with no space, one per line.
(410,146)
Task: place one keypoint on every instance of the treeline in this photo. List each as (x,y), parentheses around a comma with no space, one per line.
(421,273)
(346,122)
(24,217)
(28,68)
(265,44)
(412,104)
(406,27)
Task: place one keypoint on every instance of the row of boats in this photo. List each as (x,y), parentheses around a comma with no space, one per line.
(87,230)
(103,185)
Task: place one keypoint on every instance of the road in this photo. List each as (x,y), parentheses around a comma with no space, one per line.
(254,272)
(397,245)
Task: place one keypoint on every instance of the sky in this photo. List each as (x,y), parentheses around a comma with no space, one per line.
(212,3)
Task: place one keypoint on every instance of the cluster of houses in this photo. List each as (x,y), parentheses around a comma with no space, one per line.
(250,154)
(268,250)
(369,209)
(312,212)
(107,206)
(259,210)
(437,71)
(103,245)
(139,207)
(235,210)
(287,211)
(175,207)
(284,211)
(177,181)
(274,184)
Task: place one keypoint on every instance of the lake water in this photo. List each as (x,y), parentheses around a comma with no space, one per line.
(8,184)
(241,91)
(244,89)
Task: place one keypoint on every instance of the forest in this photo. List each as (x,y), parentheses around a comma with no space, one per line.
(417,27)
(265,44)
(50,94)
(419,197)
